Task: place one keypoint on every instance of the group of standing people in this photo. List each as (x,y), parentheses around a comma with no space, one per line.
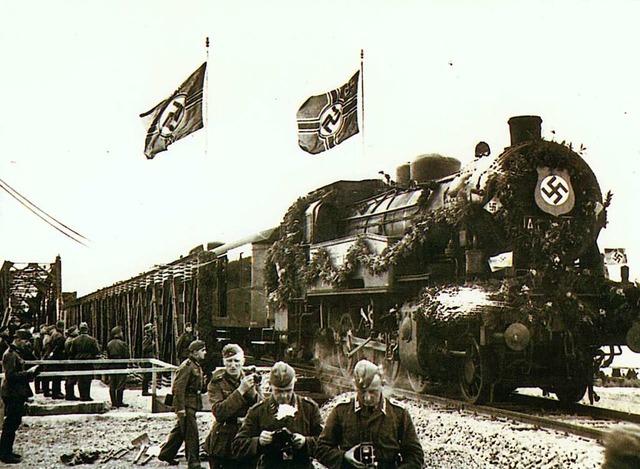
(286,430)
(55,343)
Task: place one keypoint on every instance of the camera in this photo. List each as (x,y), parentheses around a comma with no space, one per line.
(257,377)
(283,441)
(366,454)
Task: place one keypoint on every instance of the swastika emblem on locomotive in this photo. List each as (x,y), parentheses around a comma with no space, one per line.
(554,193)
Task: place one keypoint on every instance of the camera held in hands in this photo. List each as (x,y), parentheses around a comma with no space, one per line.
(366,454)
(257,377)
(283,441)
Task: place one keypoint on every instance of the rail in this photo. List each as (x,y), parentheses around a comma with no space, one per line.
(157,366)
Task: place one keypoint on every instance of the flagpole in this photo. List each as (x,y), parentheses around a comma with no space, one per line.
(362,90)
(206,101)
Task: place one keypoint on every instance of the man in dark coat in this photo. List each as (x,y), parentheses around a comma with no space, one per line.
(182,346)
(56,352)
(369,428)
(148,351)
(187,400)
(117,348)
(38,351)
(14,391)
(231,393)
(282,430)
(84,347)
(71,381)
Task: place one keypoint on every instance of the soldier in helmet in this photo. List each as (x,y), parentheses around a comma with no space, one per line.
(84,347)
(282,430)
(231,393)
(182,346)
(148,351)
(15,390)
(187,400)
(117,349)
(369,430)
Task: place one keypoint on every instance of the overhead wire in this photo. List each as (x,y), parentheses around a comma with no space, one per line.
(51,221)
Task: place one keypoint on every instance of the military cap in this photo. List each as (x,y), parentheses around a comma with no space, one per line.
(188,324)
(230,350)
(23,334)
(364,372)
(148,326)
(116,331)
(196,345)
(83,327)
(60,325)
(281,375)
(71,330)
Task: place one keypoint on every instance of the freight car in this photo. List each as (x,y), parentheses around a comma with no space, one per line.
(219,287)
(488,275)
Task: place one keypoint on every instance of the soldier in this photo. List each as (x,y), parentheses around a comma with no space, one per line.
(231,393)
(182,346)
(71,381)
(84,347)
(187,400)
(38,350)
(15,390)
(117,348)
(281,430)
(369,430)
(148,351)
(56,352)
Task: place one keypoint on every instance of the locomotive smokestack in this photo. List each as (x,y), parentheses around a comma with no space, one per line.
(525,128)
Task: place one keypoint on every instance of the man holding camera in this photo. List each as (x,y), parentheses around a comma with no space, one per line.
(231,393)
(282,430)
(369,430)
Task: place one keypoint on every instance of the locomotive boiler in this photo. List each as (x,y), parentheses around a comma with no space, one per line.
(487,275)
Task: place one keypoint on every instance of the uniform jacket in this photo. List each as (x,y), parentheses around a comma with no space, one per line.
(187,386)
(229,407)
(117,348)
(148,345)
(56,346)
(388,427)
(16,381)
(307,421)
(84,347)
(67,346)
(182,347)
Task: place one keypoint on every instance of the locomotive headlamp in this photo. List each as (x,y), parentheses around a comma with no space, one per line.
(517,337)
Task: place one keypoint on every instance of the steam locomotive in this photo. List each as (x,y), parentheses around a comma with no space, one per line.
(489,276)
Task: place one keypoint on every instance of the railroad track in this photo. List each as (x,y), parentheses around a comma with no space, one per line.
(576,419)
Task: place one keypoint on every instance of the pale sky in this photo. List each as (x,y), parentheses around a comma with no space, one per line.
(438,77)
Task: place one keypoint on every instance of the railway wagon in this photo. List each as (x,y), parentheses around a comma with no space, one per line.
(218,287)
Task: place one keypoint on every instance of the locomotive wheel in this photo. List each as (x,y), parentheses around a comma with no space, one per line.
(570,392)
(474,375)
(417,382)
(345,330)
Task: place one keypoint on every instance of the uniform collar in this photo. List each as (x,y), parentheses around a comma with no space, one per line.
(382,405)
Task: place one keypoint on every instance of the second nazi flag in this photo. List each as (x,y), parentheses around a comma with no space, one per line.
(327,120)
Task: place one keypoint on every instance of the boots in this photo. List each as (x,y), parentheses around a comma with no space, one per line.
(120,396)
